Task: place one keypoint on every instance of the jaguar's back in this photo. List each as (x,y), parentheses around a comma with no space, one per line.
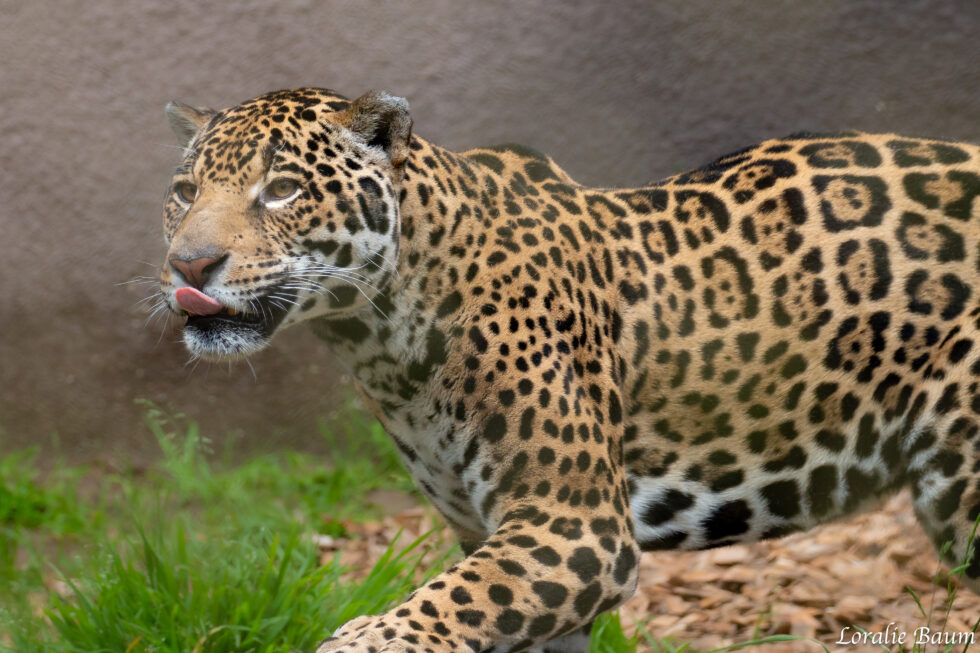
(807,313)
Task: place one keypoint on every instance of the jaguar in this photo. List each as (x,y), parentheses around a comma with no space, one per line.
(574,375)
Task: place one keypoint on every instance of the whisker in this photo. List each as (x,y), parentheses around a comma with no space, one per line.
(278,299)
(365,295)
(163,327)
(158,311)
(184,150)
(139,279)
(147,299)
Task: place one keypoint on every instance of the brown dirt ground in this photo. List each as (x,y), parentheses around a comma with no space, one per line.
(812,584)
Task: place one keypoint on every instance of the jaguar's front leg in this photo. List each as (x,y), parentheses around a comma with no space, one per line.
(562,551)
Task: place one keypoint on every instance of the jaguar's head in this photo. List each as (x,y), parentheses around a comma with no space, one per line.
(284,208)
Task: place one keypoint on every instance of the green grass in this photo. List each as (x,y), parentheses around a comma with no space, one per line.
(940,622)
(25,504)
(258,592)
(193,556)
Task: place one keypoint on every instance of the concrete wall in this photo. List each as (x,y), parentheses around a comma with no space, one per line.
(619,92)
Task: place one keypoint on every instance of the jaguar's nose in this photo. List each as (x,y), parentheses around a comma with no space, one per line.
(197,271)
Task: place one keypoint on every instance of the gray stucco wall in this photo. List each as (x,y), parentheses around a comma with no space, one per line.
(619,92)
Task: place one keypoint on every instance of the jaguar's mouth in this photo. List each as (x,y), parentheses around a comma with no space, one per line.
(229,317)
(217,332)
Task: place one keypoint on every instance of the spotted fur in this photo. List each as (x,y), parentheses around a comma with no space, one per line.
(573,375)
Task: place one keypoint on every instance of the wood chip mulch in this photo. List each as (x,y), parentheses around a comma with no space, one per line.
(852,573)
(811,584)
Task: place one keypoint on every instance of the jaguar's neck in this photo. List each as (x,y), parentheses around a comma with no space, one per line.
(444,209)
(440,211)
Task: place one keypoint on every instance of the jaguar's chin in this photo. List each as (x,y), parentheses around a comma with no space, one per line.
(217,341)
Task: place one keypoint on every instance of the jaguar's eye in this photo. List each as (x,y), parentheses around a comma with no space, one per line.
(186,191)
(280,189)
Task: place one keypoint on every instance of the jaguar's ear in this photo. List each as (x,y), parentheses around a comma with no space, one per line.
(186,121)
(382,120)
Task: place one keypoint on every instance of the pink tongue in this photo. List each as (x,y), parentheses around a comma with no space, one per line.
(196,303)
